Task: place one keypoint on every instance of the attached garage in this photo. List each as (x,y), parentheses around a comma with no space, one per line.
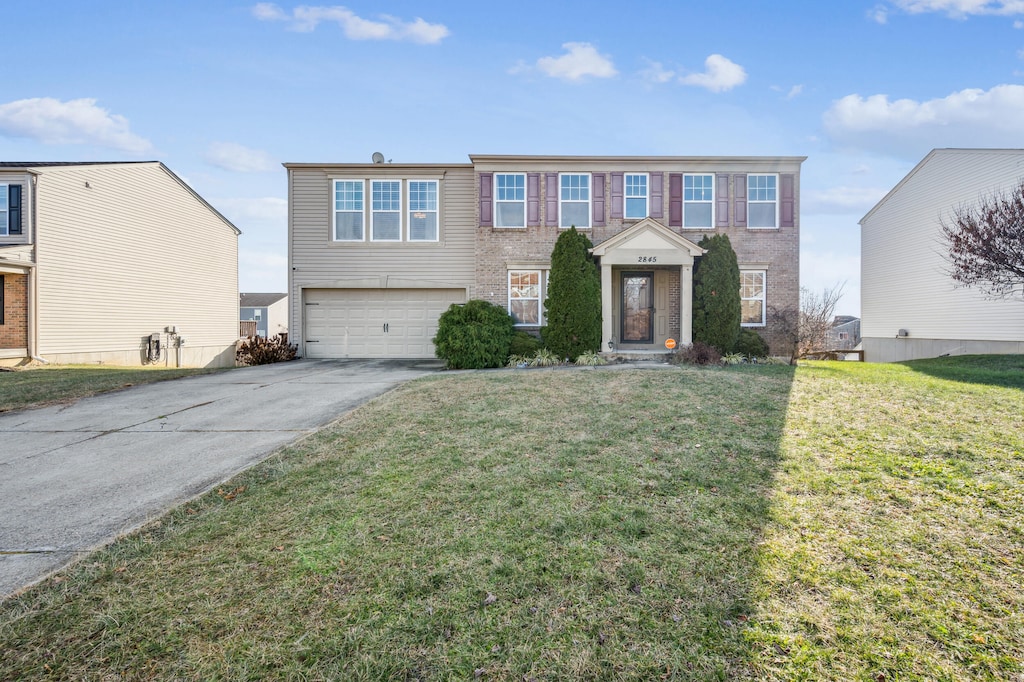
(374,323)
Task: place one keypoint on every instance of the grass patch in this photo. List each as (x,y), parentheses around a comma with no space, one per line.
(837,521)
(52,384)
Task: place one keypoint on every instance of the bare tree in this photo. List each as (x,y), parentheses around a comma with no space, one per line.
(805,330)
(985,244)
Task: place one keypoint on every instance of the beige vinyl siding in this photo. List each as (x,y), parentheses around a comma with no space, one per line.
(318,262)
(125,251)
(904,275)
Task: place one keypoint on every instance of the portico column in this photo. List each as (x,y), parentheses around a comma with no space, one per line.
(686,305)
(606,308)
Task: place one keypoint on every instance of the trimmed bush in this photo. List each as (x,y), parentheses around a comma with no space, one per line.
(573,303)
(716,295)
(751,344)
(256,350)
(524,344)
(474,335)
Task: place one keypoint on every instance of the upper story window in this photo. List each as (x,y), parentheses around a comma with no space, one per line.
(423,210)
(574,200)
(348,210)
(386,210)
(509,200)
(762,201)
(698,200)
(636,195)
(752,298)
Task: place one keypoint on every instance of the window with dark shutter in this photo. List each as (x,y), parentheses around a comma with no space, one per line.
(616,196)
(486,200)
(675,199)
(598,198)
(787,200)
(740,200)
(722,200)
(533,199)
(551,199)
(657,195)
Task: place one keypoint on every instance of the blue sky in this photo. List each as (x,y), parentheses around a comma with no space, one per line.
(223,92)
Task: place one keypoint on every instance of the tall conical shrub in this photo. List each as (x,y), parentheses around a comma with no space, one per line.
(716,295)
(573,303)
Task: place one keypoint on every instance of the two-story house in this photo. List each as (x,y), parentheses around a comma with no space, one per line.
(114,263)
(378,251)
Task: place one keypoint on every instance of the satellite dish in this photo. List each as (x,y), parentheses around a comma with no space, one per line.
(378,157)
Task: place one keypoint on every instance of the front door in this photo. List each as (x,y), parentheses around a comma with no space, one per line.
(637,307)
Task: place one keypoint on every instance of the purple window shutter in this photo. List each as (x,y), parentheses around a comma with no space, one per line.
(533,199)
(675,199)
(486,200)
(597,203)
(616,196)
(722,200)
(739,183)
(657,196)
(551,199)
(787,208)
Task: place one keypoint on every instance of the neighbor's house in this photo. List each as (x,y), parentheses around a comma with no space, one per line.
(844,334)
(266,314)
(910,306)
(118,263)
(378,251)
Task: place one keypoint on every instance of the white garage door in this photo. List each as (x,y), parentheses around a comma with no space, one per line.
(374,323)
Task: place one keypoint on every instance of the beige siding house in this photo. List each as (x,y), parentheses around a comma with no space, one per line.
(117,263)
(910,307)
(378,251)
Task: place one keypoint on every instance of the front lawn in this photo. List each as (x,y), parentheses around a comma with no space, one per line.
(51,384)
(839,521)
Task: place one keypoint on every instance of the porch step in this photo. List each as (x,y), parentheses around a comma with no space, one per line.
(637,356)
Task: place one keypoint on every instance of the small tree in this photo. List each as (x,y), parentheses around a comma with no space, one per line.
(474,335)
(985,243)
(573,303)
(805,330)
(716,294)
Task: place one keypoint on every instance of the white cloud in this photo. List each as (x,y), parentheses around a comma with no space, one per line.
(840,200)
(961,9)
(656,73)
(969,118)
(306,18)
(719,75)
(77,121)
(579,61)
(235,157)
(795,91)
(1018,24)
(879,14)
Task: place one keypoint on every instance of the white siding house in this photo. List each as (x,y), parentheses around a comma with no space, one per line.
(910,306)
(104,257)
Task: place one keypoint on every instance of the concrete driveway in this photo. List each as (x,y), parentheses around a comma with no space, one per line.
(74,477)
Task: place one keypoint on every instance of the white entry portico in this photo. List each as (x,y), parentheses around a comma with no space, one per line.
(646,287)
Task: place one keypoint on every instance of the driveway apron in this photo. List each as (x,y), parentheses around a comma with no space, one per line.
(74,477)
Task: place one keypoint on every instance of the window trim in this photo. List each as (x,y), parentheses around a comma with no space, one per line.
(334,212)
(5,225)
(710,202)
(496,201)
(626,196)
(541,282)
(436,210)
(562,202)
(752,202)
(399,211)
(763,298)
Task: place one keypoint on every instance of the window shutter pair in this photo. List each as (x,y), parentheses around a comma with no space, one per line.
(487,199)
(656,196)
(14,211)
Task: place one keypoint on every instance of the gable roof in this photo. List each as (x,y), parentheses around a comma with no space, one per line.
(652,226)
(259,300)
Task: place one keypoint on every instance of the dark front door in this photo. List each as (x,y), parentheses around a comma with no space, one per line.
(637,307)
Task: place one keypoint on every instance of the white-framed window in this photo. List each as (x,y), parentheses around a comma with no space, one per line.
(422,210)
(752,298)
(635,185)
(574,200)
(526,297)
(698,200)
(762,201)
(386,210)
(348,210)
(510,200)
(844,336)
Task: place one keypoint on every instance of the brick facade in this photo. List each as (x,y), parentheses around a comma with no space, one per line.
(777,251)
(14,328)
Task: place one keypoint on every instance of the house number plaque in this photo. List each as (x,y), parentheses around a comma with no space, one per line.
(646,259)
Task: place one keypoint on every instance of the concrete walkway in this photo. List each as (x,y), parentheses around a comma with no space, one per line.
(74,477)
